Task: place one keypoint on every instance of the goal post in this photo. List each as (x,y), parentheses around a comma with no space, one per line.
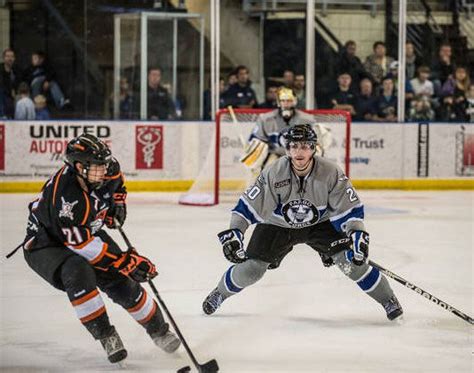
(222,174)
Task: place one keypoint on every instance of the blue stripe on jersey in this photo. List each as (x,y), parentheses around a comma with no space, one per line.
(356,212)
(322,212)
(242,209)
(231,286)
(369,280)
(273,138)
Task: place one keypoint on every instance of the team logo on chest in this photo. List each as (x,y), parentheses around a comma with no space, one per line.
(66,209)
(300,213)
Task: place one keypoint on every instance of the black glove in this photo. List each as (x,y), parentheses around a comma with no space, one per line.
(360,247)
(232,241)
(118,210)
(327,260)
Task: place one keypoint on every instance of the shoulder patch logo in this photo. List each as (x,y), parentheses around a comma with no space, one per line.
(66,209)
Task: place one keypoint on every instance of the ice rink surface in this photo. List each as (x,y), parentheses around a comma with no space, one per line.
(300,318)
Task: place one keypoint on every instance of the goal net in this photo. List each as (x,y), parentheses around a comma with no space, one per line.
(223,177)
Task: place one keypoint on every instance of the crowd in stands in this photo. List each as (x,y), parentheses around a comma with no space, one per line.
(27,94)
(439,90)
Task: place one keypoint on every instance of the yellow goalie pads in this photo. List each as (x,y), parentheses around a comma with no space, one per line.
(255,154)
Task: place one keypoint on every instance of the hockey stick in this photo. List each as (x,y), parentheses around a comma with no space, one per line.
(236,122)
(209,367)
(11,253)
(423,293)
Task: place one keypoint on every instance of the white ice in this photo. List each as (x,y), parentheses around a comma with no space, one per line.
(299,318)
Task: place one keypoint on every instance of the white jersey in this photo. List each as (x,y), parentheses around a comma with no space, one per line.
(271,126)
(282,198)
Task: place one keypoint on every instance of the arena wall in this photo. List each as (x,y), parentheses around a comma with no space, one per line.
(167,156)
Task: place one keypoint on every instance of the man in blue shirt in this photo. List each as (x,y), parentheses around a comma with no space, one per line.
(241,95)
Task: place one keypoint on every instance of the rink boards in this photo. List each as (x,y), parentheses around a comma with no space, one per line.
(170,155)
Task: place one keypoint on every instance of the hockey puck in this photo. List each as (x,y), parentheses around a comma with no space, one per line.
(184,369)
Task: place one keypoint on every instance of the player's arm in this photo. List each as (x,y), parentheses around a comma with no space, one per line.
(72,213)
(116,184)
(346,214)
(98,248)
(248,211)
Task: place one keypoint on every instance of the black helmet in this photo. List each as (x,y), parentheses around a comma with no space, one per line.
(300,133)
(87,149)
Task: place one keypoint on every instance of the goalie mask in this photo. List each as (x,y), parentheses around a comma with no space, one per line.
(90,152)
(286,101)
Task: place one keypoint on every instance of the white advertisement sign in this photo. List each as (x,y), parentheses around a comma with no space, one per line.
(178,150)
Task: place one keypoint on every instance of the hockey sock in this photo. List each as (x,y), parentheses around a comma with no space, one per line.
(79,281)
(240,276)
(368,278)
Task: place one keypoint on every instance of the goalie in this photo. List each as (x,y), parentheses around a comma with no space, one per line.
(266,141)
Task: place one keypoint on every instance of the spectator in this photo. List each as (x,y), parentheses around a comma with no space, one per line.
(127,106)
(9,80)
(393,74)
(412,62)
(41,79)
(241,94)
(25,108)
(454,93)
(349,62)
(300,92)
(470,104)
(270,98)
(386,104)
(377,64)
(366,102)
(41,110)
(421,110)
(207,100)
(442,67)
(159,103)
(344,98)
(288,79)
(231,80)
(421,85)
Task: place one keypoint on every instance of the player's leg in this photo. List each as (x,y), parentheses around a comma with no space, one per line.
(333,247)
(140,305)
(74,275)
(372,282)
(268,244)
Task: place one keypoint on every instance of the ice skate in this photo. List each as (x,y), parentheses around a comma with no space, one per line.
(168,342)
(212,302)
(393,308)
(113,346)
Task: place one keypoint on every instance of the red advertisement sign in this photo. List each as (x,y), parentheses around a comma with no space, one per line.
(149,147)
(2,147)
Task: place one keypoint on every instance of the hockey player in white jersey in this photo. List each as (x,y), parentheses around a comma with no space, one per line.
(266,140)
(301,198)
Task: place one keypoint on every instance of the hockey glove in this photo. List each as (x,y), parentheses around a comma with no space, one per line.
(117,211)
(136,267)
(360,247)
(232,241)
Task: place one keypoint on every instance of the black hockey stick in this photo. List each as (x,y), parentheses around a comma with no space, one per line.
(423,293)
(209,367)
